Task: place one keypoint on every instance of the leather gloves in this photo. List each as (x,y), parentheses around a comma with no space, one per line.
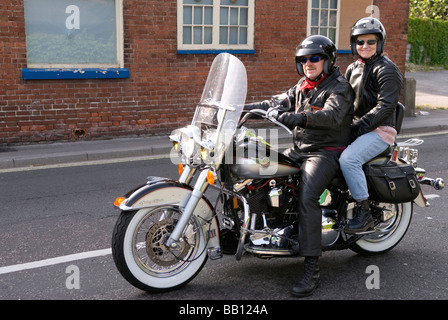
(292,120)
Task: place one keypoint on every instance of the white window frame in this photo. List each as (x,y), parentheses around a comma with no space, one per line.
(119,48)
(215,45)
(309,17)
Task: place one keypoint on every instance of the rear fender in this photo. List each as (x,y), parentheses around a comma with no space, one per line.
(421,200)
(172,193)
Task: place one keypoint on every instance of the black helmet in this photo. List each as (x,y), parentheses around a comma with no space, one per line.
(368,25)
(316,45)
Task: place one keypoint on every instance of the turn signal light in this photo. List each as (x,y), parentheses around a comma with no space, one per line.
(211,177)
(235,203)
(119,201)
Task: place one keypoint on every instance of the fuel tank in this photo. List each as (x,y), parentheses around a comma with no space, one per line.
(254,159)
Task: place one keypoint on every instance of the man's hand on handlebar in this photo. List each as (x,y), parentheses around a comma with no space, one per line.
(292,120)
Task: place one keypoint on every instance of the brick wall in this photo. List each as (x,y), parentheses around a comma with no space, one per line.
(163,87)
(395,15)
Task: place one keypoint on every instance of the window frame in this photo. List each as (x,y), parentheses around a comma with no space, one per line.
(309,19)
(36,71)
(215,46)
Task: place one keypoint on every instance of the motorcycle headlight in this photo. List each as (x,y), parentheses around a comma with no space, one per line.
(185,142)
(207,155)
(207,151)
(175,139)
(176,145)
(188,146)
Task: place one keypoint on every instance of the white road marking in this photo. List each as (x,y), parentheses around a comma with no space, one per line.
(83,163)
(418,135)
(432,196)
(53,261)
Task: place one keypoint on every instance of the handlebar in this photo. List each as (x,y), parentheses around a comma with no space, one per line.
(271,114)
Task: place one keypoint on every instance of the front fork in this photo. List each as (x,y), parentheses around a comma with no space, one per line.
(244,229)
(198,190)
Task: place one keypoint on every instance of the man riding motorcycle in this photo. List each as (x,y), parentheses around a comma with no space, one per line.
(320,109)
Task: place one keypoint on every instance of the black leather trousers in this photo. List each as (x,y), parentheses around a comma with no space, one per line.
(318,168)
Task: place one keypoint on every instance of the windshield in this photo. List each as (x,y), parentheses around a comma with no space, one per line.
(222,102)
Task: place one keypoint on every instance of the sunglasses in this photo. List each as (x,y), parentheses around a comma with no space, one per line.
(370,42)
(312,59)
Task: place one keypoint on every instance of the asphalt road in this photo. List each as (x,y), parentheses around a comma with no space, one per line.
(54,213)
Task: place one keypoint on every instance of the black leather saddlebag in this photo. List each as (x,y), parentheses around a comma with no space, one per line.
(392,182)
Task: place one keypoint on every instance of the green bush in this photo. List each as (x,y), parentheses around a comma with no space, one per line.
(429,41)
(429,9)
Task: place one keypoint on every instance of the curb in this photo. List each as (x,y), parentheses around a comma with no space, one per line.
(90,151)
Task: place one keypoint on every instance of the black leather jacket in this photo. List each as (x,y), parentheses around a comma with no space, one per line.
(377,84)
(328,109)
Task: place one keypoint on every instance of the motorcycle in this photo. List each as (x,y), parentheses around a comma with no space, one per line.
(168,229)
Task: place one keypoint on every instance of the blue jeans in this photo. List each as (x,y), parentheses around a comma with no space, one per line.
(363,149)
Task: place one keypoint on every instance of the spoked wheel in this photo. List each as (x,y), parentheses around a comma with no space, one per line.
(140,254)
(396,218)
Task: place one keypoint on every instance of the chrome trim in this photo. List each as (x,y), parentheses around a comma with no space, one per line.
(269,251)
(124,207)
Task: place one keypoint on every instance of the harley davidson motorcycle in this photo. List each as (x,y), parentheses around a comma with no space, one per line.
(168,229)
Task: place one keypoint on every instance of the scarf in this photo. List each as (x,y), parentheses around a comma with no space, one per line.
(308,84)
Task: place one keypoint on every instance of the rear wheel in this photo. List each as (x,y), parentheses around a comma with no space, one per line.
(140,254)
(396,218)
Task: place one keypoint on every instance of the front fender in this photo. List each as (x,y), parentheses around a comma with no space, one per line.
(155,194)
(173,193)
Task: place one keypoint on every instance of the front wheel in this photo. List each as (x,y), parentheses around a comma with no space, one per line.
(142,258)
(396,218)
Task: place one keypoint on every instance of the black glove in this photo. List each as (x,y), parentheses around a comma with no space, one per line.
(292,120)
(264,105)
(281,102)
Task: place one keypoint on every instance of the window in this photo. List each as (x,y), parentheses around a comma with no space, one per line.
(335,18)
(215,25)
(63,34)
(323,18)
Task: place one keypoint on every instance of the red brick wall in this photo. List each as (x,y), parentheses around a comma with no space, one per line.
(395,15)
(163,87)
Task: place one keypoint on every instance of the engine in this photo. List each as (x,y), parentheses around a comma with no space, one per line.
(272,200)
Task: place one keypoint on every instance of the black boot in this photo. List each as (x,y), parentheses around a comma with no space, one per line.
(310,279)
(363,219)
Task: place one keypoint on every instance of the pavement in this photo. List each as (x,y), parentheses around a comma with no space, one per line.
(80,152)
(431,88)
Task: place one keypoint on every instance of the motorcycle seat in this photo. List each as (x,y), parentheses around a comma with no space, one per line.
(339,181)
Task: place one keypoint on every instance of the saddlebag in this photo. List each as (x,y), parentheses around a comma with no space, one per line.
(391,182)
